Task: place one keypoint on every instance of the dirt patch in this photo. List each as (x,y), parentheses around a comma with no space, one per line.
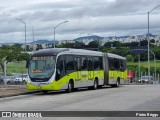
(13,90)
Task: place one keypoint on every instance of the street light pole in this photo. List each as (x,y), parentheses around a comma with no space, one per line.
(25,31)
(148,49)
(139,59)
(149,41)
(154,65)
(55,31)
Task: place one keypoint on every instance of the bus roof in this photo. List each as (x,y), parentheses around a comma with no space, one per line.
(84,52)
(110,55)
(55,51)
(49,52)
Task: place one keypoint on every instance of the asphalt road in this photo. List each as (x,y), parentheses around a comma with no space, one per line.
(124,98)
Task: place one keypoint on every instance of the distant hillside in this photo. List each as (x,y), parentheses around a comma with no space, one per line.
(93,37)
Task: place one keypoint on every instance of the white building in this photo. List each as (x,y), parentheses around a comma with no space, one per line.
(66,41)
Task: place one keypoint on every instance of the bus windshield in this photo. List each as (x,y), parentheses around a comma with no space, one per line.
(42,67)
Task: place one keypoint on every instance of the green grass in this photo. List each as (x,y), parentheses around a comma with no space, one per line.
(15,67)
(145,64)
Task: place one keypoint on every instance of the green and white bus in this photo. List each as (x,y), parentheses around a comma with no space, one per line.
(69,69)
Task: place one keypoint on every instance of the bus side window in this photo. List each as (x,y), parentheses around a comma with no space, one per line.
(77,63)
(124,65)
(60,72)
(69,66)
(96,63)
(90,64)
(100,63)
(120,65)
(116,64)
(84,63)
(111,64)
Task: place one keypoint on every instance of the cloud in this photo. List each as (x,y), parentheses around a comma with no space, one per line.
(101,17)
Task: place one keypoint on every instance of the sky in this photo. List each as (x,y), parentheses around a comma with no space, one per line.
(85,17)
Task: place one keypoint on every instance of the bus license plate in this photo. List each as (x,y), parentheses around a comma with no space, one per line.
(39,87)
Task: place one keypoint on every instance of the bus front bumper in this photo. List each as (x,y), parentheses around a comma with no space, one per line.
(51,86)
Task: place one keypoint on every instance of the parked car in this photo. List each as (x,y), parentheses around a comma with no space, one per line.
(21,78)
(1,80)
(146,79)
(10,79)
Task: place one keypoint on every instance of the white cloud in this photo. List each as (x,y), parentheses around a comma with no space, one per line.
(101,17)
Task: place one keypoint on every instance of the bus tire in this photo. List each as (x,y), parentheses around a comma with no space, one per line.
(117,83)
(45,91)
(95,86)
(70,87)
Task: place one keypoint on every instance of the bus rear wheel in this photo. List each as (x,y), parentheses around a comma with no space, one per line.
(95,86)
(117,83)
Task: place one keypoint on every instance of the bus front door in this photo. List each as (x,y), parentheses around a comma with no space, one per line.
(77,71)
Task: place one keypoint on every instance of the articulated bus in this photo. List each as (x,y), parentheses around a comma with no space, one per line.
(69,69)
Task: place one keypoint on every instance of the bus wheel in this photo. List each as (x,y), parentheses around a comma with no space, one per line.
(95,85)
(117,83)
(44,91)
(69,89)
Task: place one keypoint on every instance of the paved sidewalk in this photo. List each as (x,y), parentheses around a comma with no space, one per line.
(13,91)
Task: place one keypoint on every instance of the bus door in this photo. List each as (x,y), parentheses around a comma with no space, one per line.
(90,69)
(60,71)
(77,64)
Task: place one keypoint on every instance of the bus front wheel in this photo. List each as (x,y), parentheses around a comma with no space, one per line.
(70,87)
(44,91)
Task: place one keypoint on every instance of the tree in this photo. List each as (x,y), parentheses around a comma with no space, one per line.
(156,51)
(113,44)
(94,44)
(11,53)
(66,45)
(23,57)
(130,58)
(18,45)
(77,45)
